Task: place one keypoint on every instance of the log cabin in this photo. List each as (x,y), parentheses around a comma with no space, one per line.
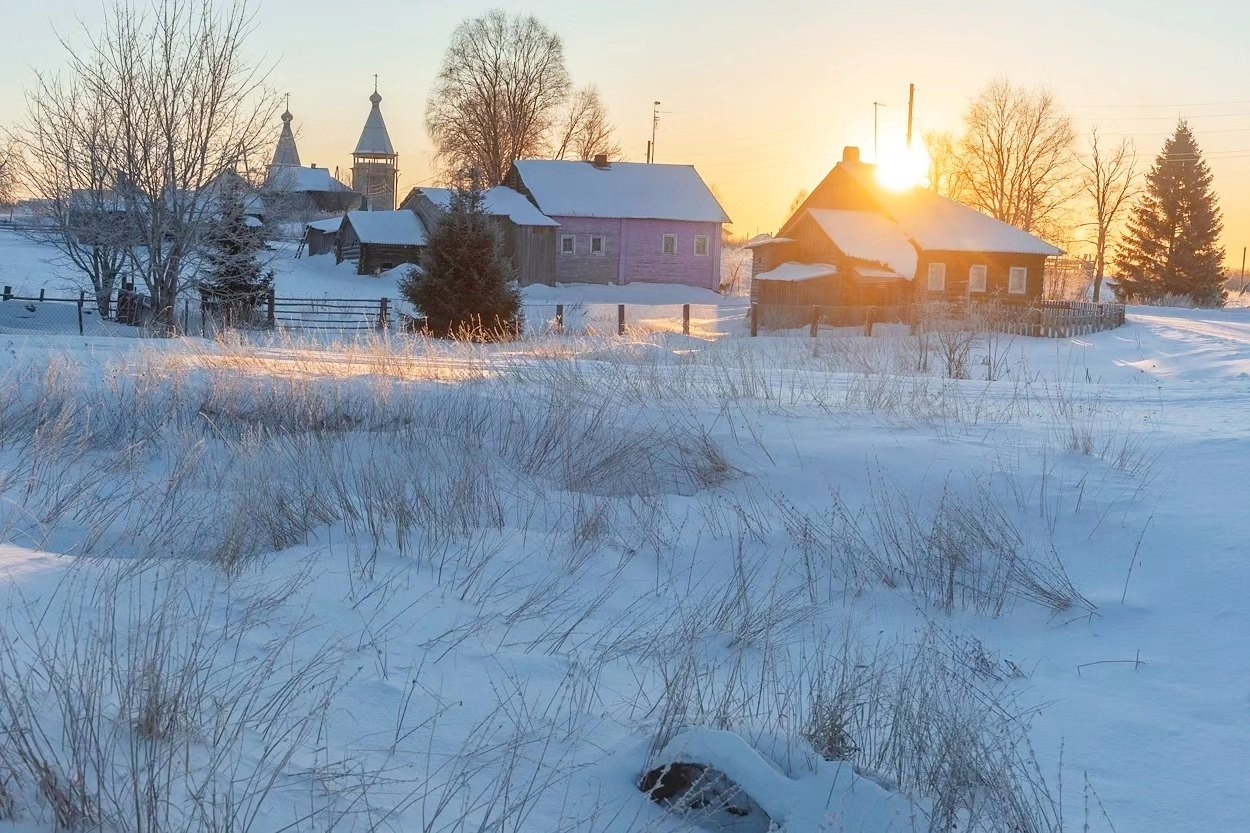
(379,240)
(880,247)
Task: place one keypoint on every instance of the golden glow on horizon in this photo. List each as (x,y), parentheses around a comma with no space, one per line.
(900,167)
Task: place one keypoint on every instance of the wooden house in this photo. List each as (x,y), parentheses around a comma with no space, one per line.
(529,237)
(379,240)
(626,222)
(894,247)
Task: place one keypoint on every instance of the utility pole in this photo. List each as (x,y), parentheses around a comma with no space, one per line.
(911,109)
(655,122)
(876,153)
(1243,269)
(648,156)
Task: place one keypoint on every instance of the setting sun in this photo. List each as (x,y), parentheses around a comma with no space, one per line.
(901,167)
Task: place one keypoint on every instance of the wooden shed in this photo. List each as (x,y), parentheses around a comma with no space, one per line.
(321,236)
(529,237)
(380,240)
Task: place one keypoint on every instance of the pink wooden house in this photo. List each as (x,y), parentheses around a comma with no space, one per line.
(627,222)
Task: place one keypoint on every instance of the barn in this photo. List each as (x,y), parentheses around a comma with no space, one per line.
(529,237)
(379,240)
(894,248)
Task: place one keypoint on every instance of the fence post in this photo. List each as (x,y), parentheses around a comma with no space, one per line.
(41,291)
(186,316)
(685,319)
(82,297)
(868,319)
(383,317)
(559,319)
(815,321)
(271,315)
(620,319)
(7,294)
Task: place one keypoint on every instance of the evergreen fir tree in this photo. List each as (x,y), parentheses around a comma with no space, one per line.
(234,284)
(465,285)
(1172,245)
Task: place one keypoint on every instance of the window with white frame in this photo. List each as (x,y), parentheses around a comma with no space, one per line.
(1018,280)
(937,277)
(701,245)
(668,245)
(568,244)
(597,245)
(978,279)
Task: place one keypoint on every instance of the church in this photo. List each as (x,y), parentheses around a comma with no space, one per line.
(293,189)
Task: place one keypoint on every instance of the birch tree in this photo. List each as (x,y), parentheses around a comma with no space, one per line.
(1110,179)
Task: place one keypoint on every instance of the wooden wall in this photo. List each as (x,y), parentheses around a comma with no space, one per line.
(959,265)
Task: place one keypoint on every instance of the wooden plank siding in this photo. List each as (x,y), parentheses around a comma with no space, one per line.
(530,249)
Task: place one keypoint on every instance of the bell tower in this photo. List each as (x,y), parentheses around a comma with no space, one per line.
(375,171)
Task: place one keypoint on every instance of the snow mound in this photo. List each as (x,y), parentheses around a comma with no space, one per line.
(830,797)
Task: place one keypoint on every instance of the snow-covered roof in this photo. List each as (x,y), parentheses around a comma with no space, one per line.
(867,235)
(627,190)
(501,201)
(768,241)
(296,180)
(374,139)
(792,271)
(397,228)
(940,224)
(330,225)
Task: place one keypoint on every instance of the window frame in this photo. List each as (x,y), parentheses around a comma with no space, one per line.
(940,274)
(602,240)
(572,240)
(707,245)
(664,247)
(1023,271)
(984,271)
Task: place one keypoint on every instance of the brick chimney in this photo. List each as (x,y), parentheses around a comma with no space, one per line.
(601,161)
(850,153)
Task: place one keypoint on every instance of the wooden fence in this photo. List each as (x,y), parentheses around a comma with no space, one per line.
(1038,319)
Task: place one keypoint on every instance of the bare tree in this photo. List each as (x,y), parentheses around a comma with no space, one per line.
(69,165)
(583,130)
(1110,179)
(795,204)
(169,103)
(1015,160)
(8,171)
(498,93)
(945,176)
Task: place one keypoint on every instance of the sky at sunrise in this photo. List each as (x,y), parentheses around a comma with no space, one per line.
(761,97)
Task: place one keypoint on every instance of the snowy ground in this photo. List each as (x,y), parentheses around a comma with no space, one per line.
(519,563)
(404,584)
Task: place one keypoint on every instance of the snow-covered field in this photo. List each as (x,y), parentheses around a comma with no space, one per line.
(412,585)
